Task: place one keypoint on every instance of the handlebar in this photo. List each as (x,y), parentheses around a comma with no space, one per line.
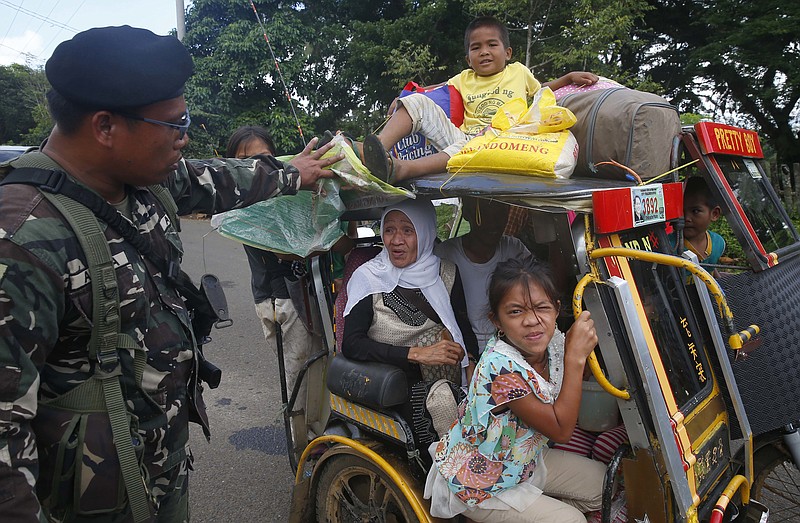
(736,341)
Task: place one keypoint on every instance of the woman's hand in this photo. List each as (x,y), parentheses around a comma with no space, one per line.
(444,352)
(581,339)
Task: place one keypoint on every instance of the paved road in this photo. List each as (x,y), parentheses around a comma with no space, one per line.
(243,475)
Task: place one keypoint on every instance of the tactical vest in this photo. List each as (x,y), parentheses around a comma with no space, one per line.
(102,392)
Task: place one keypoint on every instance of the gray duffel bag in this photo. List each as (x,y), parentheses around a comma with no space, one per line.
(631,127)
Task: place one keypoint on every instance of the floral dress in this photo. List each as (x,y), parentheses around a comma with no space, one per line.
(494,460)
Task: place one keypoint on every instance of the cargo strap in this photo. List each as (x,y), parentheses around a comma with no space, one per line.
(103,391)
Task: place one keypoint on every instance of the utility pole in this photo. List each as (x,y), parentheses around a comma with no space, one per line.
(180,19)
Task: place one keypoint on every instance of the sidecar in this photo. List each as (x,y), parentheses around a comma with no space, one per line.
(702,362)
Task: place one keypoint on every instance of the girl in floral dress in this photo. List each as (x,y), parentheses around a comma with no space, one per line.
(495,464)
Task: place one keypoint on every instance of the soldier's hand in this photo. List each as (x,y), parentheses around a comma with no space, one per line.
(311,164)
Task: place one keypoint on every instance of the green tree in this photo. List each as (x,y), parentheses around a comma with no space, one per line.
(232,84)
(737,59)
(22,91)
(342,60)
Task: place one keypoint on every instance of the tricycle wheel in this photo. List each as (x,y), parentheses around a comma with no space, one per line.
(777,484)
(353,490)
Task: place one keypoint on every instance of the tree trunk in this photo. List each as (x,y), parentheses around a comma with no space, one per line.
(528,45)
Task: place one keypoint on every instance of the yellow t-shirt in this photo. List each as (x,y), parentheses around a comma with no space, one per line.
(483,95)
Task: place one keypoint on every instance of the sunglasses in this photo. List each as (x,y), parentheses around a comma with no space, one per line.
(181,126)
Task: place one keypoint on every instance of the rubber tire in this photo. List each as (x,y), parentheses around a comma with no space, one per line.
(770,460)
(352,482)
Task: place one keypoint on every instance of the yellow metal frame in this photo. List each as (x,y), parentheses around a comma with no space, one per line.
(735,340)
(374,458)
(370,418)
(736,483)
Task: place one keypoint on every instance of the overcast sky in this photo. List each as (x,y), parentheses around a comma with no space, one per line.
(31,29)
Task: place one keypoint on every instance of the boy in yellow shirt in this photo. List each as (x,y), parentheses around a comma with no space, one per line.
(489,82)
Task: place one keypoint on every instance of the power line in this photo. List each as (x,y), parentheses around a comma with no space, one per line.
(28,12)
(30,56)
(11,24)
(68,21)
(28,43)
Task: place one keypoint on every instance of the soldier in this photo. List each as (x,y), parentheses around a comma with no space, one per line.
(121,122)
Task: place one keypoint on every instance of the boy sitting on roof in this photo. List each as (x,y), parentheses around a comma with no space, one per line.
(489,82)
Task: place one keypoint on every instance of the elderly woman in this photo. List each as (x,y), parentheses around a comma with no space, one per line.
(406,307)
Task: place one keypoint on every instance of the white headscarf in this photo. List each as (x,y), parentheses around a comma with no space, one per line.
(379,275)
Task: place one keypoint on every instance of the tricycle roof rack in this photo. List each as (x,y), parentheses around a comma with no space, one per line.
(532,191)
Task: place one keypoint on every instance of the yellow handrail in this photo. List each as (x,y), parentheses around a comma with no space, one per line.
(738,481)
(373,457)
(594,365)
(735,340)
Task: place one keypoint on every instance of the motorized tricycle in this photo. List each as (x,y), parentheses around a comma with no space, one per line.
(705,369)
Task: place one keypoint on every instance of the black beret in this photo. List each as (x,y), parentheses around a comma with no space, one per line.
(117,67)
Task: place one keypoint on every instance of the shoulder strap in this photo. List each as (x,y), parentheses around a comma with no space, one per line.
(57,182)
(106,338)
(162,194)
(419,301)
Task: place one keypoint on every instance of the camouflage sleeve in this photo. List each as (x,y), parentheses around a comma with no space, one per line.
(221,184)
(31,305)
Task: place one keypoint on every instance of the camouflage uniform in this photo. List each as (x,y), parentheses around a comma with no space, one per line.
(45,311)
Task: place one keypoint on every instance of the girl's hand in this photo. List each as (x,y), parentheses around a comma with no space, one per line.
(581,338)
(557,420)
(444,352)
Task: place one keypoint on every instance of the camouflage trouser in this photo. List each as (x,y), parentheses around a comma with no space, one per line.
(171,490)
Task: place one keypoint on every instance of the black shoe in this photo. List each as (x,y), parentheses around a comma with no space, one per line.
(377,160)
(327,136)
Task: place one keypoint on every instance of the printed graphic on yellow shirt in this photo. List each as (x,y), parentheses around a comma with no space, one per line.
(483,95)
